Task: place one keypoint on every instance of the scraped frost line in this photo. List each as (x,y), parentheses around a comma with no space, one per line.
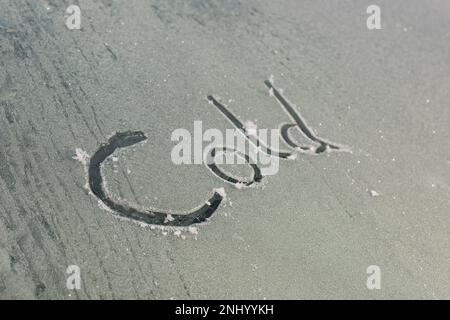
(148,216)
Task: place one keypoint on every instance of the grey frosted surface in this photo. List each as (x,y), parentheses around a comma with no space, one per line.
(309,231)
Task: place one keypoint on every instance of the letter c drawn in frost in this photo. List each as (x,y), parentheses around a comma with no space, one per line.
(151,217)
